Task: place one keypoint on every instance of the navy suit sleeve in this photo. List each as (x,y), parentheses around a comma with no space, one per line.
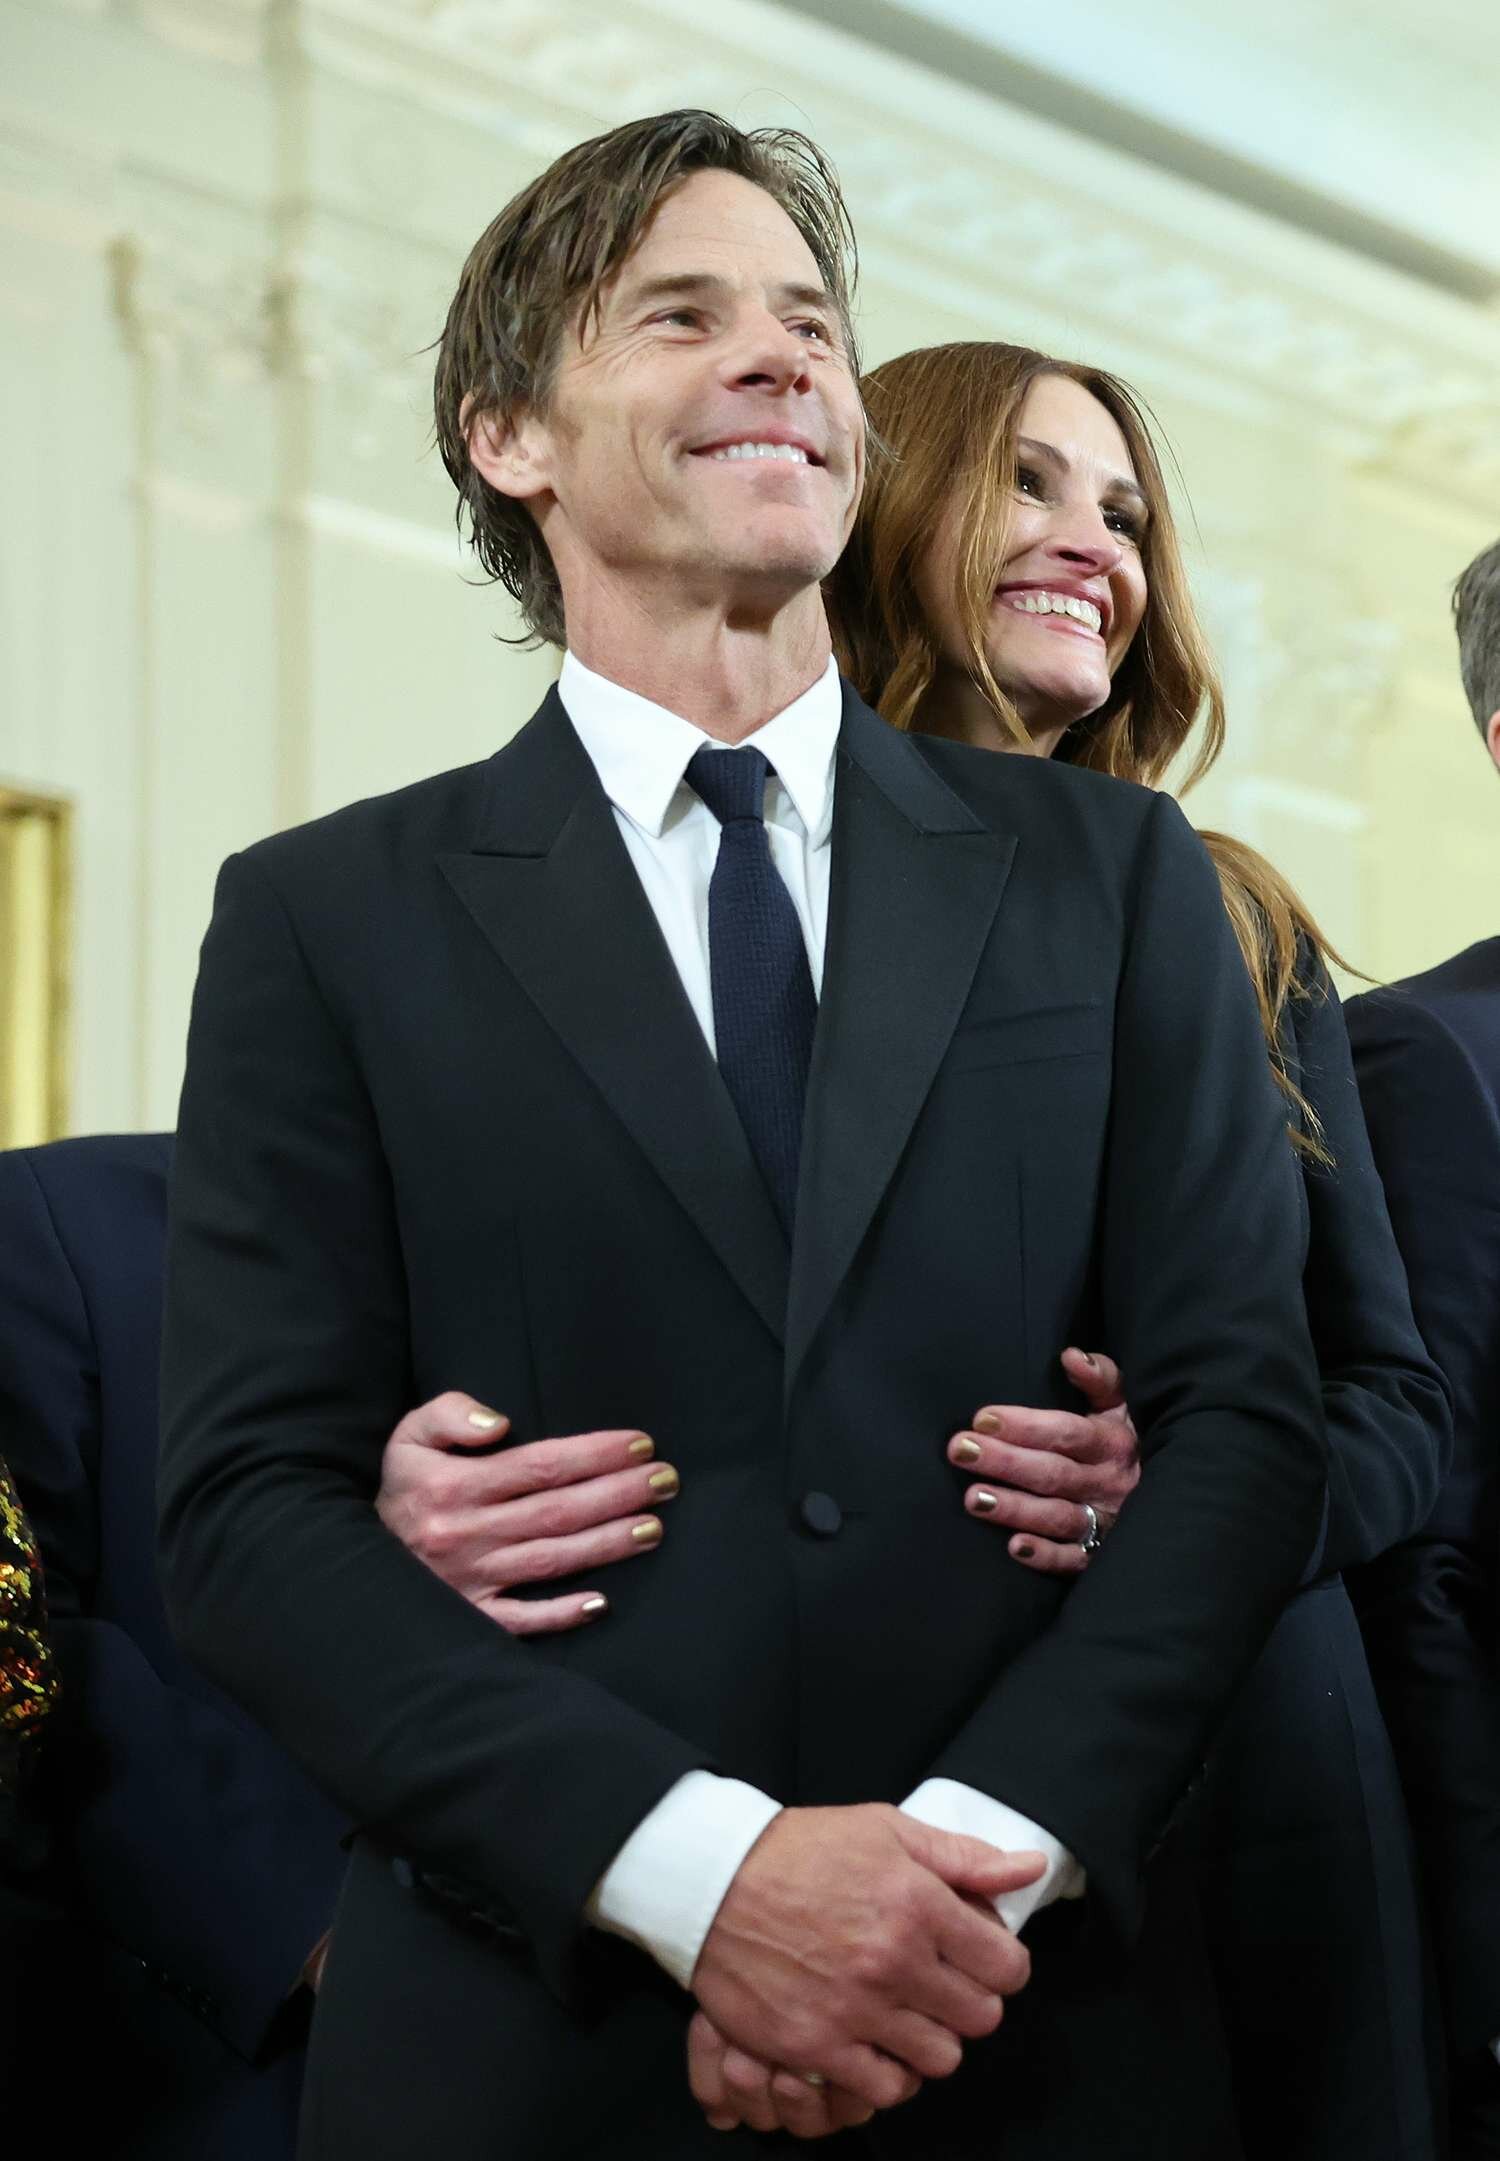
(1428,1606)
(185,1834)
(1385,1404)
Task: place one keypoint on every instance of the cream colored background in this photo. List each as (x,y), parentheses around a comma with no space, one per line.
(230,594)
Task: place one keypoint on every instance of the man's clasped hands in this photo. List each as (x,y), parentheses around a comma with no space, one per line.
(857,1949)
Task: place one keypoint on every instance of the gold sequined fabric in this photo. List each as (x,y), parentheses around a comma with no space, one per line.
(28,1677)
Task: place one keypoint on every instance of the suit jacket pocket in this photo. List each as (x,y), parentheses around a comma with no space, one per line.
(985,1039)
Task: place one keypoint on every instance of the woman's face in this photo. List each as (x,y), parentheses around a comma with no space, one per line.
(1069,596)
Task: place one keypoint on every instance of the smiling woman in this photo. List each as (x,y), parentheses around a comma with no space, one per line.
(1015,581)
(1020,474)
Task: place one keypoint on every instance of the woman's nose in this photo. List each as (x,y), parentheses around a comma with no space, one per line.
(1081,536)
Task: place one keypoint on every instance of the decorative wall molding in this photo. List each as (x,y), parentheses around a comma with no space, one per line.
(236,32)
(1381,356)
(362,305)
(1405,379)
(53,184)
(197,295)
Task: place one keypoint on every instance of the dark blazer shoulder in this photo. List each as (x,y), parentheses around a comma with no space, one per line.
(1011,784)
(452,810)
(1475,972)
(89,1162)
(440,809)
(1458,998)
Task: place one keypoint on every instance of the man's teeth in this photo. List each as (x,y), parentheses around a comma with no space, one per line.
(1082,611)
(787,452)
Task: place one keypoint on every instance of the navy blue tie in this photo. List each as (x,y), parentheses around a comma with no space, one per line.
(764,1008)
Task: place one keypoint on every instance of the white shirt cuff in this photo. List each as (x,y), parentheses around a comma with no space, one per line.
(668,1880)
(950,1806)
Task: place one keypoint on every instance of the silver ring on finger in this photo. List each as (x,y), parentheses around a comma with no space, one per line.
(813,2078)
(1093,1537)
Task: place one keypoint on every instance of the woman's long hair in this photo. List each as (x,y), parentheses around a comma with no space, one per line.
(944,423)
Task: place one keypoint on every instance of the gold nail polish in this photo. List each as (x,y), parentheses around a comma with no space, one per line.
(987,1422)
(665,1481)
(642,1448)
(966,1451)
(985,1502)
(647,1532)
(486,1421)
(591,1606)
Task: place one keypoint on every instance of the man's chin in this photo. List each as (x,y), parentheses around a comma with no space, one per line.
(774,577)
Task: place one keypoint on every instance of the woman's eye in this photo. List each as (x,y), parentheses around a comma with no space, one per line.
(1029,480)
(679,315)
(813,330)
(1126,524)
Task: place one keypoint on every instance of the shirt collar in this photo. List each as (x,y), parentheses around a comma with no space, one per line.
(641,750)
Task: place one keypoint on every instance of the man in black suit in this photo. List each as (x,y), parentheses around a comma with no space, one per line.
(194,1867)
(1427,1056)
(498,1084)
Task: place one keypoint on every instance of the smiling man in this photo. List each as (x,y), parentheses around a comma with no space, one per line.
(716,1065)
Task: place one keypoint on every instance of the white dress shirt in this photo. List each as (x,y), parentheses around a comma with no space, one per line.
(665,1885)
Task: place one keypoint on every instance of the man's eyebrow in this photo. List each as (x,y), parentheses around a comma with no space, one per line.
(809,296)
(706,284)
(1049,454)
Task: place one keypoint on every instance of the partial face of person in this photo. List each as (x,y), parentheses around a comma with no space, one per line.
(1070,593)
(705,438)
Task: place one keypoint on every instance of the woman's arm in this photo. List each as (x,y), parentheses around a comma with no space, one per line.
(1387,1406)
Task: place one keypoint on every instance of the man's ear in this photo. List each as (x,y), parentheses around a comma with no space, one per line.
(1492,735)
(510,451)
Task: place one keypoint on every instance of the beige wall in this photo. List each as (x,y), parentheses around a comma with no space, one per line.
(230,595)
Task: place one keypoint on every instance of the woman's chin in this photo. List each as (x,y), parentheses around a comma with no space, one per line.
(1052,709)
(1055,696)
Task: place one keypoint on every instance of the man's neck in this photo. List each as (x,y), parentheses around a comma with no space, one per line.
(725,673)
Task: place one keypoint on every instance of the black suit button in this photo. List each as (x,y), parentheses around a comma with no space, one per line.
(822,1514)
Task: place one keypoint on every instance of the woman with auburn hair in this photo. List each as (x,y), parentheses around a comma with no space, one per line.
(1014,581)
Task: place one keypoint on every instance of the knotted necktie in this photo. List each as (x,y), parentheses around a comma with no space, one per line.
(764,1008)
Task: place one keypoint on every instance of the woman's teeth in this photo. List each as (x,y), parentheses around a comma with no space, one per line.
(1081,611)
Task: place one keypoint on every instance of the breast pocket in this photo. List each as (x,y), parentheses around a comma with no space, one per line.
(1027,1037)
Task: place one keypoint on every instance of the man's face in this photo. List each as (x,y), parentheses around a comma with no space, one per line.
(704,440)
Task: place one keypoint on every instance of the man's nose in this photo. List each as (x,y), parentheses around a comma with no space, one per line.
(767,356)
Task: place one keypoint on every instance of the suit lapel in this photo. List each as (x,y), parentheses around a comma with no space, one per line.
(550,884)
(916,880)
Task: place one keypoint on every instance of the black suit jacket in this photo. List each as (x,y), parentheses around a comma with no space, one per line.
(1427,1053)
(195,1865)
(449,1122)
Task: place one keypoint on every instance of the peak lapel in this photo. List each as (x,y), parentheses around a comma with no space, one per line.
(551,886)
(916,883)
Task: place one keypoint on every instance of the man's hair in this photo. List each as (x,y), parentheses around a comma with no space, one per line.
(1476,615)
(539,268)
